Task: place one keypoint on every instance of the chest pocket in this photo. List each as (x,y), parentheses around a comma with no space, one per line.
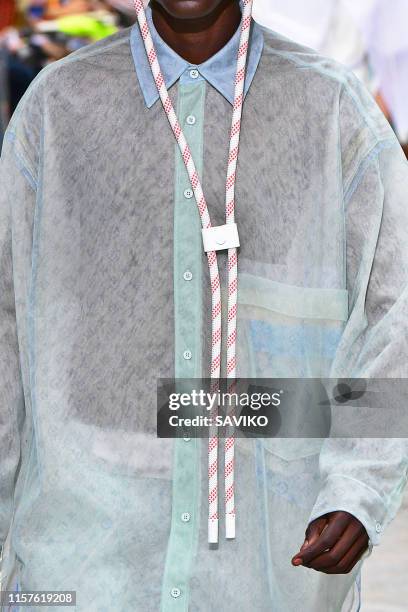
(287,331)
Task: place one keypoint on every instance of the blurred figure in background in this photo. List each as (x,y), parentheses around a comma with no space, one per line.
(369,36)
(7,15)
(48,30)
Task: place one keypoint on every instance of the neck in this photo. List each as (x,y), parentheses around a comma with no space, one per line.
(198,39)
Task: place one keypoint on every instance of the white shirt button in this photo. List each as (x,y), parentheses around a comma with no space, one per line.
(175,592)
(378,527)
(188,193)
(187,355)
(191,120)
(194,73)
(186,439)
(187,275)
(185,517)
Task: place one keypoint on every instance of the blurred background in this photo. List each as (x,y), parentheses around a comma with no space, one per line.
(369,36)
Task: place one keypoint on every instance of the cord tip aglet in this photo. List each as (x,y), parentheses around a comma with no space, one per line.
(230,526)
(213,531)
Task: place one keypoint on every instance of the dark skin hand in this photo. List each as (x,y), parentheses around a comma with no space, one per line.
(333,544)
(196,29)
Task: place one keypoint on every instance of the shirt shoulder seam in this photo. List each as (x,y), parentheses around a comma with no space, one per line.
(364,164)
(21,164)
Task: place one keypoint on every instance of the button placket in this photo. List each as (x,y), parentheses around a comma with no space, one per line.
(188,321)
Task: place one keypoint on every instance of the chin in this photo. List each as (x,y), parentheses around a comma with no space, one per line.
(189,9)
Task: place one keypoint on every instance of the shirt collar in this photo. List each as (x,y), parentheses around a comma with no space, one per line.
(218,70)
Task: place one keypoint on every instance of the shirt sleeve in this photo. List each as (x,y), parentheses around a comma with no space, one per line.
(10,383)
(17,196)
(366,476)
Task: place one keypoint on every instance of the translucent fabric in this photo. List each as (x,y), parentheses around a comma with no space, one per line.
(97,232)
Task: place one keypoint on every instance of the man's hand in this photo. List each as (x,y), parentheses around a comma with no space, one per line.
(334,543)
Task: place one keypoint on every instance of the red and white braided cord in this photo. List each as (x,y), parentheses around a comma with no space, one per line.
(212,256)
(233,255)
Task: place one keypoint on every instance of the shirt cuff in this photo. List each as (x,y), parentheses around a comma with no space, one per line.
(343,493)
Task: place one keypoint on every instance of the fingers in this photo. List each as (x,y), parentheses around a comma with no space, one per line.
(334,544)
(354,554)
(331,558)
(312,535)
(336,526)
(314,530)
